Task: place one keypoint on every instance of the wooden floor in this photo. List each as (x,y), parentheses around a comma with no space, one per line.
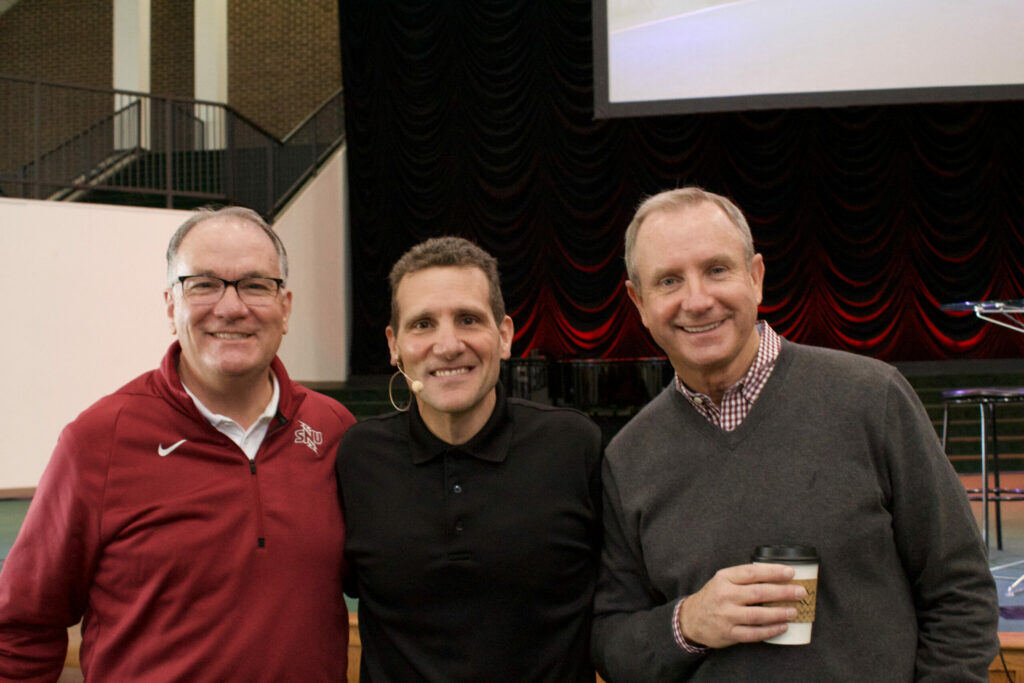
(1013,655)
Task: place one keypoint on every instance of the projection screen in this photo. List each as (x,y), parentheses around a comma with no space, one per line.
(686,56)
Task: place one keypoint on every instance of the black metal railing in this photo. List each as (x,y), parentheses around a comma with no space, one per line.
(90,154)
(89,144)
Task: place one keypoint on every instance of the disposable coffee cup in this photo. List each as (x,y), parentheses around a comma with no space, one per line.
(804,560)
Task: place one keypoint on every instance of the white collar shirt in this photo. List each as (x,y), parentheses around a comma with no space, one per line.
(249,440)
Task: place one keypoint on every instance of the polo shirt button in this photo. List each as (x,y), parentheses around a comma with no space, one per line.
(459,526)
(457,488)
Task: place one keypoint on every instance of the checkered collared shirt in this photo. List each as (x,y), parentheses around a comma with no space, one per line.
(739,398)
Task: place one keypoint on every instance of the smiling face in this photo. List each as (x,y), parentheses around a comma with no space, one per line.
(696,294)
(226,341)
(447,338)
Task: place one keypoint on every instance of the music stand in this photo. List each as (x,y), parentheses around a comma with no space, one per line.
(1002,313)
(987,310)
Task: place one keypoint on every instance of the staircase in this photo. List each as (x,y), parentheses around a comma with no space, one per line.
(198,172)
(113,146)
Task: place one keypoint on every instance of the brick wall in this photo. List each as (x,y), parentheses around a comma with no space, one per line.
(60,41)
(172,51)
(57,40)
(283,59)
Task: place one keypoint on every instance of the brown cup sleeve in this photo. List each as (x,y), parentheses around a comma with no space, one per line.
(805,607)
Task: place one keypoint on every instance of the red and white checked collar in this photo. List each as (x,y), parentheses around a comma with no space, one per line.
(739,398)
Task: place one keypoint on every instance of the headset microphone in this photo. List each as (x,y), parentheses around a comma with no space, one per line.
(414,384)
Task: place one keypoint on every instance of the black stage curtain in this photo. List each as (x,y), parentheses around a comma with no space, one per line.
(476,119)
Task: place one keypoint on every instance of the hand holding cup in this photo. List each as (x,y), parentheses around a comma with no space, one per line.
(730,608)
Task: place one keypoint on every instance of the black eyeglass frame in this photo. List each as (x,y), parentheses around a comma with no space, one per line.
(233,283)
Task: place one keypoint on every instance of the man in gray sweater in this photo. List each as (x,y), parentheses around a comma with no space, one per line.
(760,441)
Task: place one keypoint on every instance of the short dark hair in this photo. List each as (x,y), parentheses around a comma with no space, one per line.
(679,198)
(205,214)
(440,252)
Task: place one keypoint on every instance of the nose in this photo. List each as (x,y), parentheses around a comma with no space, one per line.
(448,344)
(696,298)
(230,304)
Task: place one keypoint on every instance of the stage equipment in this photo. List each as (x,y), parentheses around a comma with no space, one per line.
(1002,313)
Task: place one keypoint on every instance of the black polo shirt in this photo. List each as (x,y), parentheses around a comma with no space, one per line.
(474,562)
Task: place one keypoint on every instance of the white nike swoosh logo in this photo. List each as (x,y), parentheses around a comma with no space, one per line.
(161,451)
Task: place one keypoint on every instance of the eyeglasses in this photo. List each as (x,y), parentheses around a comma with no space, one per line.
(207,289)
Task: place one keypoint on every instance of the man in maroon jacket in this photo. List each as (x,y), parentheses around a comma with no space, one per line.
(190,519)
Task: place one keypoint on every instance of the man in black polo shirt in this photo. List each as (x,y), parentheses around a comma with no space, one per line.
(473,520)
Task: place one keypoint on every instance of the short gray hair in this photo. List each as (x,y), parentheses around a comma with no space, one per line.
(205,214)
(677,199)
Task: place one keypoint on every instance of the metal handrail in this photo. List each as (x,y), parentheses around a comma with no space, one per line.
(304,122)
(93,167)
(310,127)
(184,149)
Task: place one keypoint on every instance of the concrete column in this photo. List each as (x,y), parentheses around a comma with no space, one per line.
(211,66)
(131,45)
(131,72)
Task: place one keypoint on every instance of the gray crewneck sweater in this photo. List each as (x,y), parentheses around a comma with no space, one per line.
(837,452)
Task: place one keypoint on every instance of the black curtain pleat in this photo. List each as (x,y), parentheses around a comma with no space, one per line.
(476,119)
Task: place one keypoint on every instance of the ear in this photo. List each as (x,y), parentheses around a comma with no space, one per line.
(286,303)
(757,275)
(392,344)
(169,304)
(506,330)
(637,299)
